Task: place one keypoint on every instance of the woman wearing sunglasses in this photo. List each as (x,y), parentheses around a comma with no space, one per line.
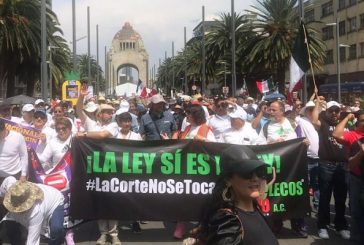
(233,216)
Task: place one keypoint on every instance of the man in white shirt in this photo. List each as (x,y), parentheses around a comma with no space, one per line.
(37,207)
(306,129)
(241,131)
(103,125)
(220,122)
(13,154)
(278,129)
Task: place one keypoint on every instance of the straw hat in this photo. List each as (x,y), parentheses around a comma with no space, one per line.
(21,196)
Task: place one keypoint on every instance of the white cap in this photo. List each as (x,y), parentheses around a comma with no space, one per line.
(239,114)
(332,104)
(38,101)
(157,98)
(27,108)
(308,104)
(91,107)
(124,107)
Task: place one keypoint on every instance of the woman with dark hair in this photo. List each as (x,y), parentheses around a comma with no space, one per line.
(197,129)
(233,216)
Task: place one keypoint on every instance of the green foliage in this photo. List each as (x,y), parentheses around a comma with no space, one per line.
(264,40)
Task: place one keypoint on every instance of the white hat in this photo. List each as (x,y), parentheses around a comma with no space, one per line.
(38,101)
(308,104)
(27,108)
(91,107)
(124,107)
(332,104)
(157,98)
(239,114)
(103,107)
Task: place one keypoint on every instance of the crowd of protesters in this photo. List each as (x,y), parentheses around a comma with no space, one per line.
(334,134)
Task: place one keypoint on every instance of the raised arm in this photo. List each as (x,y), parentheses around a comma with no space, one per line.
(79,105)
(338,133)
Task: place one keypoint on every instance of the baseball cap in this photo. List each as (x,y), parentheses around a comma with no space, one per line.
(91,107)
(104,107)
(40,113)
(38,101)
(241,161)
(332,104)
(101,98)
(157,98)
(27,108)
(238,114)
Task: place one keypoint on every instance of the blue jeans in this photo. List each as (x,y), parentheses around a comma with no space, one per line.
(332,179)
(356,194)
(56,226)
(313,170)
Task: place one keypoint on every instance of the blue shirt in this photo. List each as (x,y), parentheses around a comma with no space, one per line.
(152,125)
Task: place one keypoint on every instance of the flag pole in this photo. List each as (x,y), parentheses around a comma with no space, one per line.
(309,58)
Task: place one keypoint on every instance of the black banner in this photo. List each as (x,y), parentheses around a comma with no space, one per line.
(171,180)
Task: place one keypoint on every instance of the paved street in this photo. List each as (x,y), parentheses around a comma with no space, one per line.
(155,233)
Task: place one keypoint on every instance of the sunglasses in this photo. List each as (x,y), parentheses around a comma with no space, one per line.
(336,110)
(259,172)
(58,129)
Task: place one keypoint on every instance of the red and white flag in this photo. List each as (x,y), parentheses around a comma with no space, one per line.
(263,86)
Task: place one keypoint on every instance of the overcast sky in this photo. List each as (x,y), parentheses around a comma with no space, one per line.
(159,22)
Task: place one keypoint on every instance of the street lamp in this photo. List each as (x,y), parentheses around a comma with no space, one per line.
(50,69)
(338,45)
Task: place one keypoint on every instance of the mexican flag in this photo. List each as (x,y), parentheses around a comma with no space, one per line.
(299,60)
(263,86)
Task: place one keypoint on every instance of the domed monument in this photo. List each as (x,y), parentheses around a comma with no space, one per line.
(127,62)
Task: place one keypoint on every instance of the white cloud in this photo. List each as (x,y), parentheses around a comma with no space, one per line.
(158,21)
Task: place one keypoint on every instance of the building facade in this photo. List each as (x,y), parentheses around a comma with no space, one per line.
(348,16)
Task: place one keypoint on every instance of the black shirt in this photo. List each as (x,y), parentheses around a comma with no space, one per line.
(256,230)
(329,149)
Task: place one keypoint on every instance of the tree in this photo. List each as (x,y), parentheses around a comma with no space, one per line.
(276,23)
(82,63)
(20,44)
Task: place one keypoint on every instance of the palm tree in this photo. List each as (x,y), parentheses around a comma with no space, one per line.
(17,39)
(82,62)
(20,40)
(276,23)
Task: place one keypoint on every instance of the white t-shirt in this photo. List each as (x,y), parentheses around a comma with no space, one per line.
(93,126)
(54,152)
(13,155)
(130,136)
(277,131)
(309,131)
(36,219)
(194,130)
(15,119)
(219,124)
(245,136)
